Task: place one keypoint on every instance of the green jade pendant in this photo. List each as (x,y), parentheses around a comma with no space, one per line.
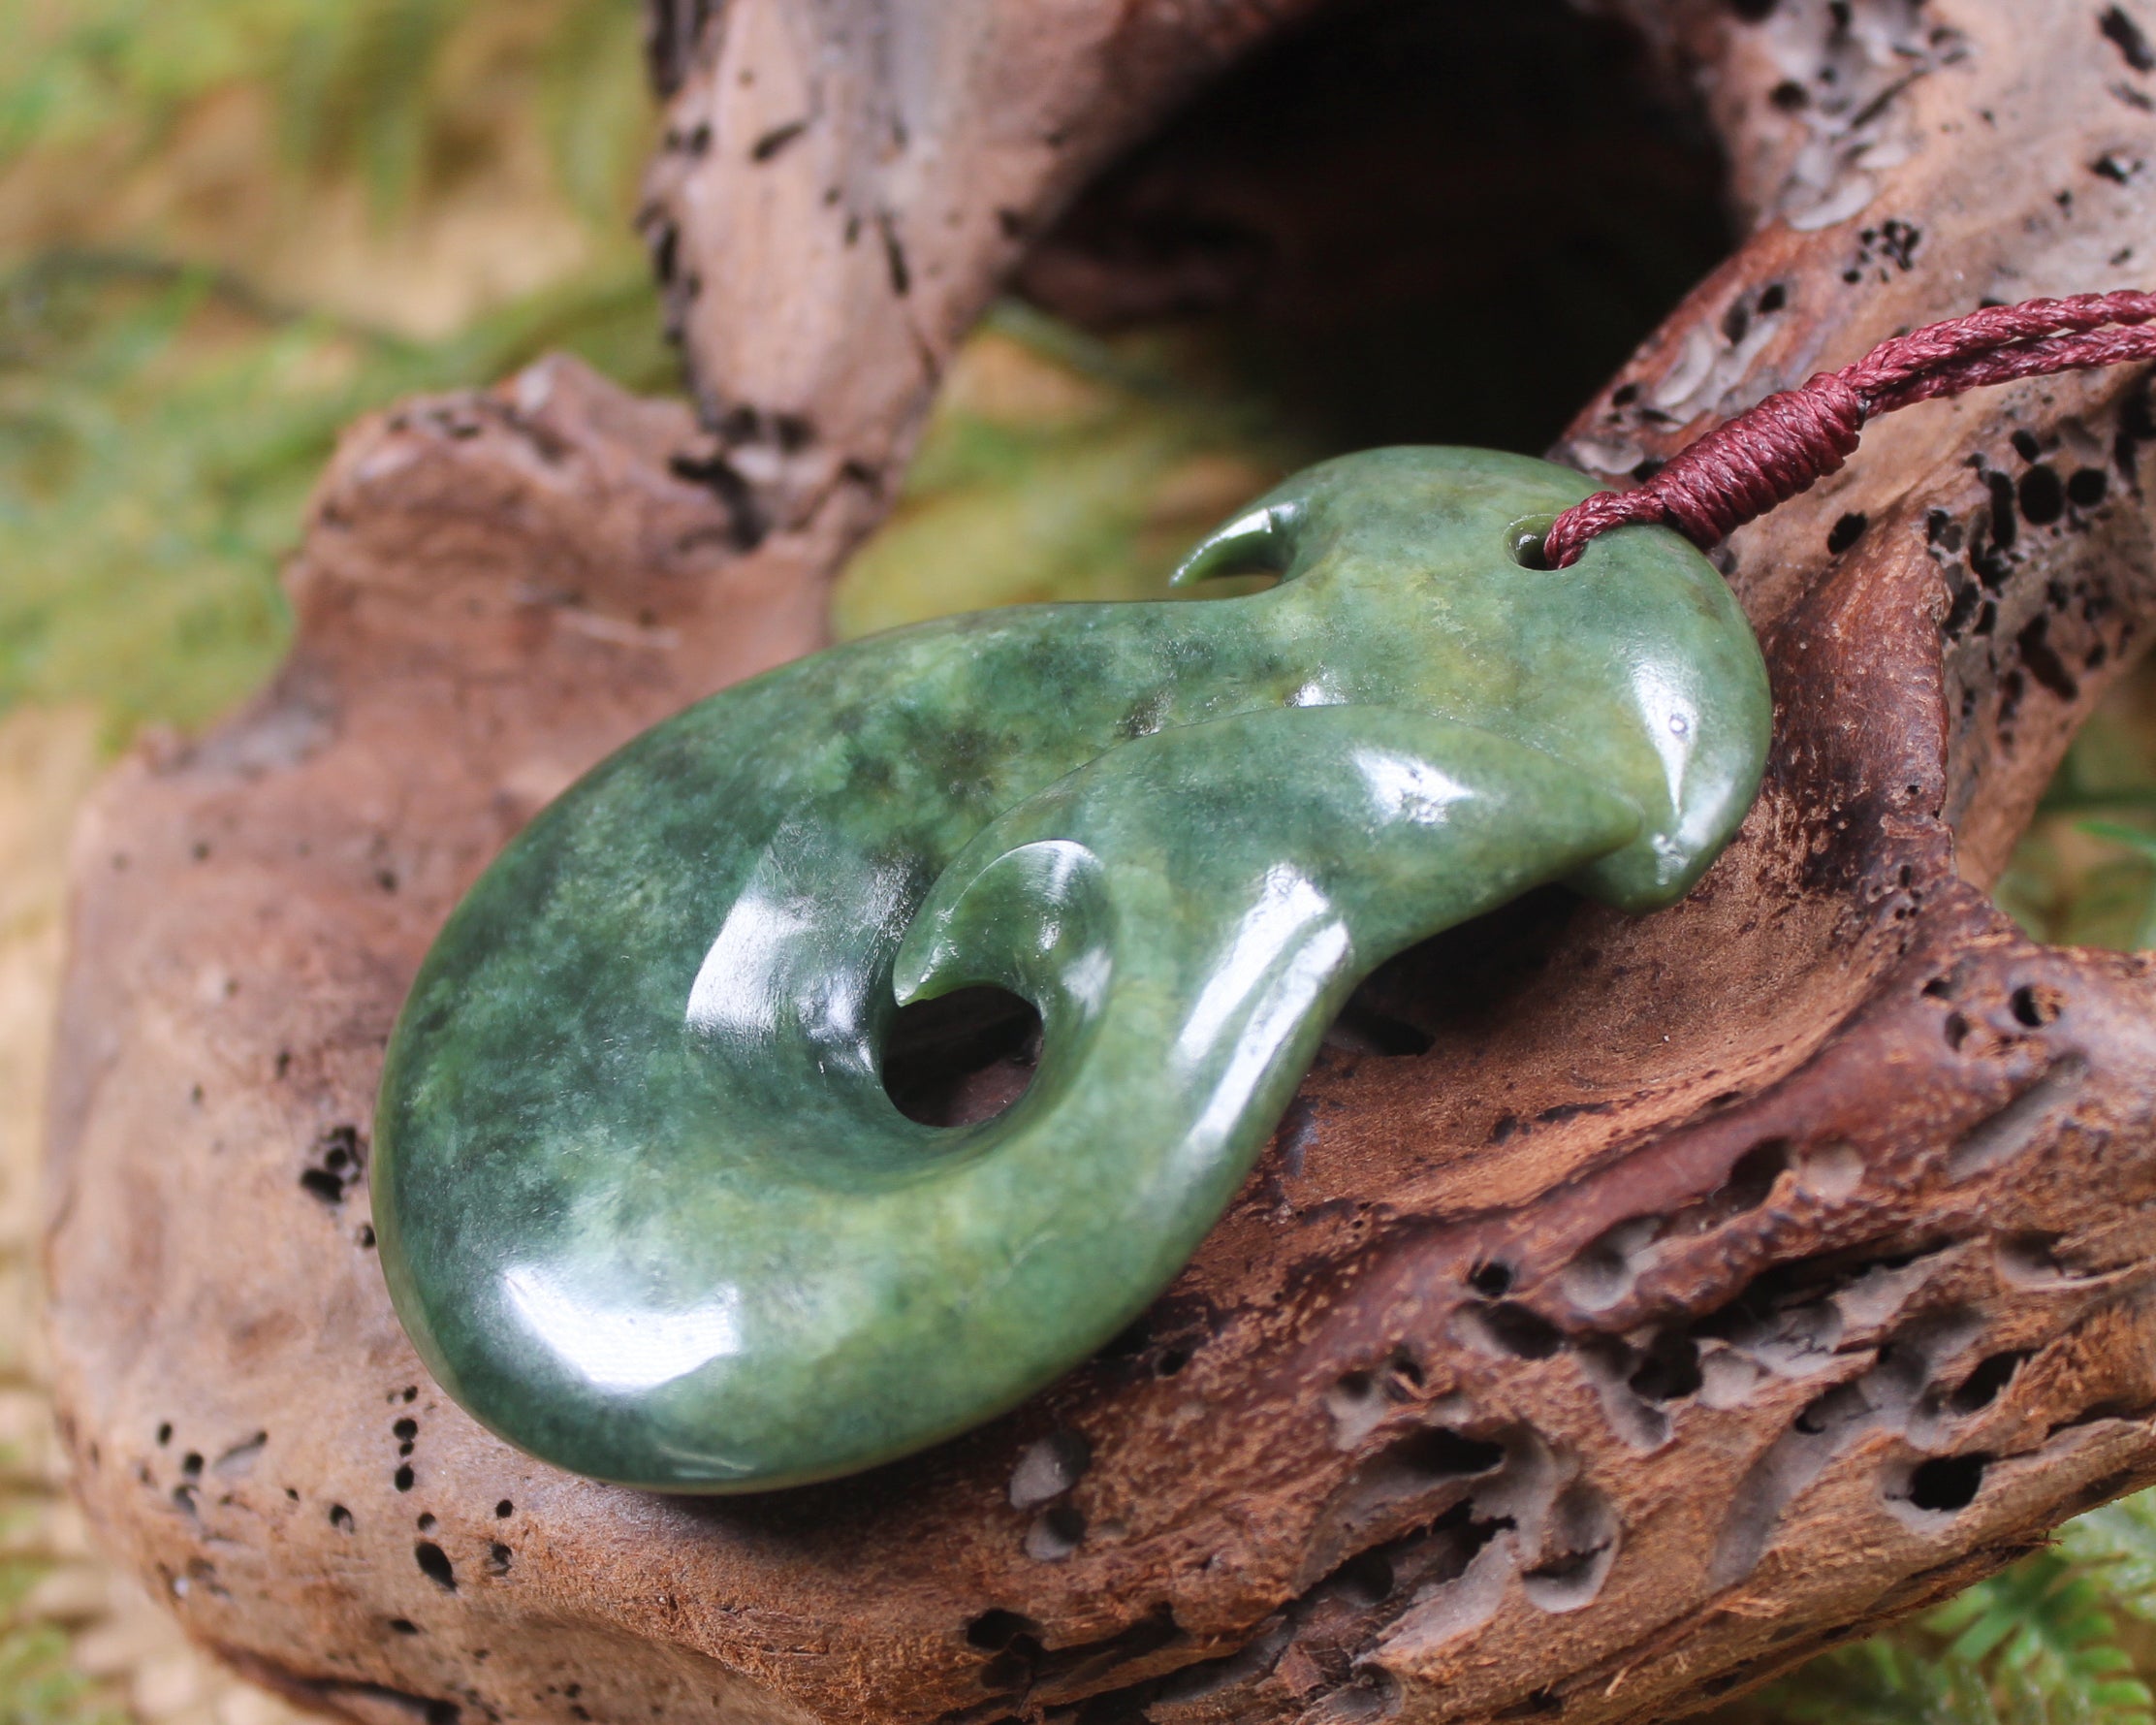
(643,1201)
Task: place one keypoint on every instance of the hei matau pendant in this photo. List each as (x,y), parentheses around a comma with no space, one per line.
(643,1201)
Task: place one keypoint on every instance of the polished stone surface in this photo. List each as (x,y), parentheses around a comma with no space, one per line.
(643,1201)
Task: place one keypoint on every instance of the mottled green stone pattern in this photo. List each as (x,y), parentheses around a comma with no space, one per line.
(643,1201)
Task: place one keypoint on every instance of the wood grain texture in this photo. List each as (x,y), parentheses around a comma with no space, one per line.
(1626,1310)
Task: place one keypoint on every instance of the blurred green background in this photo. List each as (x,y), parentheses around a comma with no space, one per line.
(229,227)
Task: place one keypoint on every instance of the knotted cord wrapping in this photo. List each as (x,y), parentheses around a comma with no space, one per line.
(1792,440)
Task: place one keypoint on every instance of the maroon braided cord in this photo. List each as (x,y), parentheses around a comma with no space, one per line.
(1795,438)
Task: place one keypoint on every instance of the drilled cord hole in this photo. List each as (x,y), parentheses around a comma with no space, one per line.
(1524,541)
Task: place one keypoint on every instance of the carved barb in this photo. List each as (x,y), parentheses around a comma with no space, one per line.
(1626,1308)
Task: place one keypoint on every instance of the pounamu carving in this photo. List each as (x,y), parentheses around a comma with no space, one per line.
(640,1195)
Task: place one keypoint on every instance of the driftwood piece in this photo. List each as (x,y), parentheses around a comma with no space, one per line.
(884,171)
(1626,1310)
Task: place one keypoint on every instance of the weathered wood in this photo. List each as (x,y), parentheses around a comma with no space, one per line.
(841,185)
(1708,1287)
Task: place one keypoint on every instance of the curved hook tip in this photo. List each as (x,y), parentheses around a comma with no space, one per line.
(1254,543)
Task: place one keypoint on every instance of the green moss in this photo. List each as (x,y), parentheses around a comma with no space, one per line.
(2084,874)
(158,440)
(1055,466)
(162,416)
(40,1687)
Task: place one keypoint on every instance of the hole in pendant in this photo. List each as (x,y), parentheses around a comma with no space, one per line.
(962,1058)
(1523,540)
